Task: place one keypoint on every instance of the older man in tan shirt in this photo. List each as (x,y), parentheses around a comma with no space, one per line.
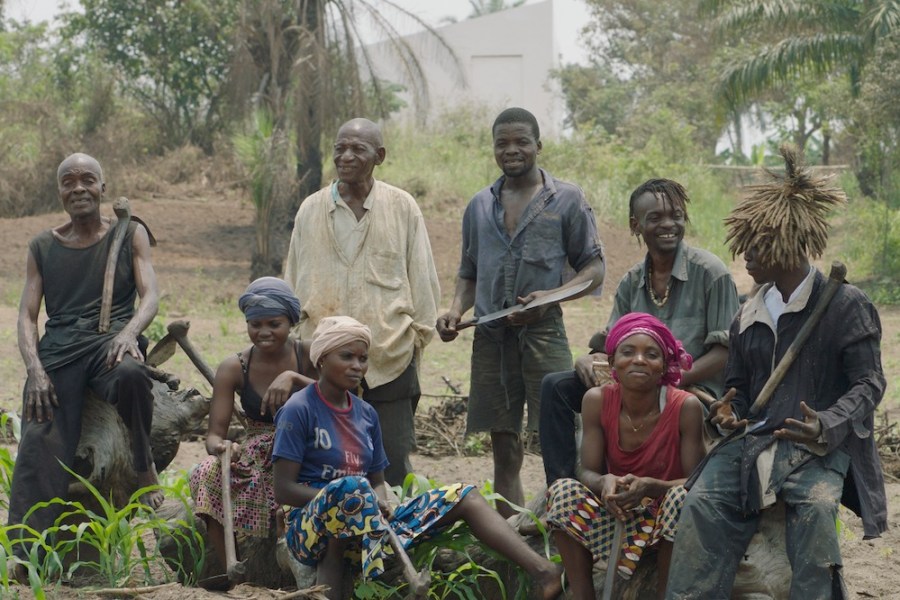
(360,248)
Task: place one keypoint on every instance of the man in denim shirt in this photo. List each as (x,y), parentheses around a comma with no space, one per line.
(518,235)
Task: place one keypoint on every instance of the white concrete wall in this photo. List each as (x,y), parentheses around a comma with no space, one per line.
(503,59)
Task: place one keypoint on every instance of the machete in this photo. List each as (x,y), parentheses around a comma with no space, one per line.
(557,296)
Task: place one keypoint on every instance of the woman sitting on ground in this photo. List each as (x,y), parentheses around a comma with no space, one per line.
(642,437)
(329,463)
(265,375)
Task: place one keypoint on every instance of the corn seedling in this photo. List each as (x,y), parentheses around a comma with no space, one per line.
(106,541)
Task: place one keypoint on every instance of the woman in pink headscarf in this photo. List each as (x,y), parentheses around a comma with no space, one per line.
(642,437)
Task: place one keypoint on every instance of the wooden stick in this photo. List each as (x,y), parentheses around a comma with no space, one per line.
(123,213)
(418,582)
(610,582)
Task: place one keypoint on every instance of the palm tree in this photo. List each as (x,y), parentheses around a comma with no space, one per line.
(800,37)
(486,7)
(312,70)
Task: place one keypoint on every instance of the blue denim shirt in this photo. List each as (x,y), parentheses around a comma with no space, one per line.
(556,229)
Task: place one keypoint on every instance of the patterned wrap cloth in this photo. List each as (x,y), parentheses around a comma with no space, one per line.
(348,508)
(573,508)
(252,488)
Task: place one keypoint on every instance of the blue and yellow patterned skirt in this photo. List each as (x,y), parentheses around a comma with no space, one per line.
(348,508)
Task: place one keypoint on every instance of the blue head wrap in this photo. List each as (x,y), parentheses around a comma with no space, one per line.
(268,297)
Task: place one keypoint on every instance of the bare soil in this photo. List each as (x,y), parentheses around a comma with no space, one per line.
(202,261)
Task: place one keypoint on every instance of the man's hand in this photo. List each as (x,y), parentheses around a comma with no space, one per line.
(124,343)
(278,393)
(721,414)
(531,315)
(40,397)
(807,430)
(584,368)
(446,325)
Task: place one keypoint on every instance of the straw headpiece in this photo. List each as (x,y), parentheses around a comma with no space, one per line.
(784,219)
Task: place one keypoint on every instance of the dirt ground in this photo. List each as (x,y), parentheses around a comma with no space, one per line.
(203,260)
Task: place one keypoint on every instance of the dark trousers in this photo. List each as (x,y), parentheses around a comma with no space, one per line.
(561,395)
(396,403)
(38,475)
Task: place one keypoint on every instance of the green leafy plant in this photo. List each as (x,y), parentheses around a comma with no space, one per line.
(109,541)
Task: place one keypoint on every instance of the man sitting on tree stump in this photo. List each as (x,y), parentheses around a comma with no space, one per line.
(66,269)
(810,443)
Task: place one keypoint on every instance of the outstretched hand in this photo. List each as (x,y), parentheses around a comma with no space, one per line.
(721,413)
(807,430)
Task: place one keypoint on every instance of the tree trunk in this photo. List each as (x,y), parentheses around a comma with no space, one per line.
(104,457)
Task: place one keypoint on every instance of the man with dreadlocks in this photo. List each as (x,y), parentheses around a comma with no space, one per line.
(811,446)
(688,289)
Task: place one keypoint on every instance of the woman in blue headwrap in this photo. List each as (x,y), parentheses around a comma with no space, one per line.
(264,375)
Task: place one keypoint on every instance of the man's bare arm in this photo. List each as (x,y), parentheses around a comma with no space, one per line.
(40,397)
(463,300)
(148,291)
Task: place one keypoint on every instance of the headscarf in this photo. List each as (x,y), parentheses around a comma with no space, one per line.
(334,332)
(269,297)
(676,357)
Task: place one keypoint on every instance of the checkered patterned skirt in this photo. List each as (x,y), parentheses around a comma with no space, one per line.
(574,509)
(252,488)
(348,508)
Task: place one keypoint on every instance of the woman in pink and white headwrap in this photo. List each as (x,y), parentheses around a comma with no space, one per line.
(329,465)
(642,437)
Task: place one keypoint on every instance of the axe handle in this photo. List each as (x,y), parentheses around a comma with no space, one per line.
(123,213)
(835,280)
(178,330)
(418,582)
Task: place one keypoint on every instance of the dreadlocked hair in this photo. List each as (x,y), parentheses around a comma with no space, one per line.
(784,219)
(671,190)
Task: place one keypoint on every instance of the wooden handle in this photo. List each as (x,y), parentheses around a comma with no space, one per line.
(835,280)
(230,553)
(418,582)
(123,212)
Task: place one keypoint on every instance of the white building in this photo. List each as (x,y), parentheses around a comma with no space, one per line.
(502,59)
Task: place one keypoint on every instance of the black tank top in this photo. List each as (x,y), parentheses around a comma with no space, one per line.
(251,401)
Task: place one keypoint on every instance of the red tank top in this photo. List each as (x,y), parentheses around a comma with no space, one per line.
(660,454)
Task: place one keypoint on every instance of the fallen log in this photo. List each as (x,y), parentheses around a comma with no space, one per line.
(104,455)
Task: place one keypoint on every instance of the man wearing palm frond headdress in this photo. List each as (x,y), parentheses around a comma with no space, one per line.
(811,445)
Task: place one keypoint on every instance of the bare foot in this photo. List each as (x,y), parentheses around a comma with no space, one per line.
(154,498)
(549,581)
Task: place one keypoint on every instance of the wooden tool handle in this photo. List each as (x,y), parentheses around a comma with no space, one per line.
(230,553)
(123,212)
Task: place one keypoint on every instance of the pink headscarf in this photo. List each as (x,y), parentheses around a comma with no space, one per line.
(674,353)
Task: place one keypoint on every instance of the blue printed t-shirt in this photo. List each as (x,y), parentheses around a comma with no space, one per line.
(328,442)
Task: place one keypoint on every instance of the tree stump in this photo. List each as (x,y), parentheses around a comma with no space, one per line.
(265,563)
(104,454)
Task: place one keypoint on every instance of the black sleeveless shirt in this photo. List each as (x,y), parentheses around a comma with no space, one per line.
(251,401)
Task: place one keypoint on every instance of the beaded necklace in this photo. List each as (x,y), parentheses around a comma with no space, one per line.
(660,302)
